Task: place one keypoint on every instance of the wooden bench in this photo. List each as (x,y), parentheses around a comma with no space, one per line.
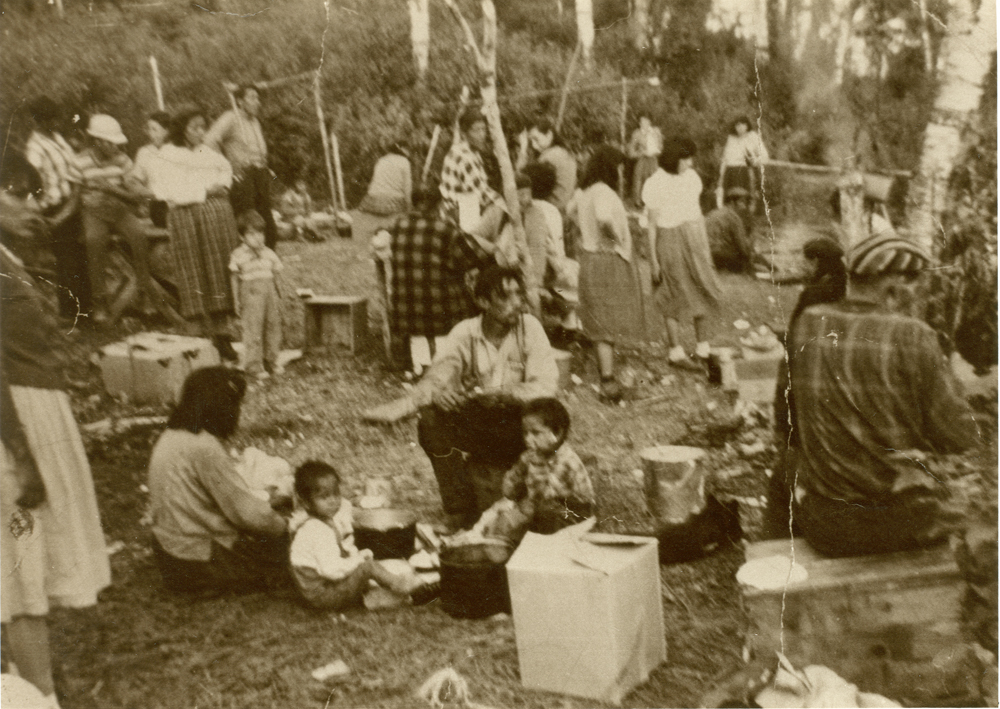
(864,617)
(336,323)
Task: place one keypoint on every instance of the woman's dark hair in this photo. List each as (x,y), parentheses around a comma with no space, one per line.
(603,167)
(828,253)
(745,120)
(241,92)
(492,279)
(550,412)
(250,219)
(210,401)
(308,474)
(470,117)
(161,117)
(675,150)
(543,179)
(178,126)
(545,125)
(46,112)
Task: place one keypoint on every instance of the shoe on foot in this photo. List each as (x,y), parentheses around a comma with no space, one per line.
(703,350)
(261,376)
(425,593)
(611,390)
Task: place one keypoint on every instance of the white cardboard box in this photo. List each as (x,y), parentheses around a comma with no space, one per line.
(588,617)
(151,367)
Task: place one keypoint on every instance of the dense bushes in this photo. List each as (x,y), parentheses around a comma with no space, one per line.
(99,61)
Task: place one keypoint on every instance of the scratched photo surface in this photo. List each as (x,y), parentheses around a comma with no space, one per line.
(759,237)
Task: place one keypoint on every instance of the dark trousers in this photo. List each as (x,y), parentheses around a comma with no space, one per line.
(72,279)
(253,564)
(912,519)
(252,190)
(470,451)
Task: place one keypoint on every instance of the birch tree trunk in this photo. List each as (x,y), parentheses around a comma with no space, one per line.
(420,35)
(963,62)
(640,25)
(585,31)
(486,60)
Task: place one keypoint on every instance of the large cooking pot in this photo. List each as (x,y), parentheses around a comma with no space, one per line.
(390,534)
(474,579)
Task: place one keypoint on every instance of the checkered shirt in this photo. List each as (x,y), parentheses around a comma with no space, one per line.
(560,476)
(462,173)
(429,260)
(868,386)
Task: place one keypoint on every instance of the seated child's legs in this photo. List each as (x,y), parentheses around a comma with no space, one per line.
(327,594)
(505,521)
(552,515)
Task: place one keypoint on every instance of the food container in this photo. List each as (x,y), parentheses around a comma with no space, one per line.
(390,534)
(474,579)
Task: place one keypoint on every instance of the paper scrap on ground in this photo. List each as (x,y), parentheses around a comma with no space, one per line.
(337,668)
(771,573)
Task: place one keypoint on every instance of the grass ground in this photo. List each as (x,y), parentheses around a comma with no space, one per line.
(143,648)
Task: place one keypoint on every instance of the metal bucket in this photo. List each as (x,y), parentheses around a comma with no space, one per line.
(474,580)
(390,534)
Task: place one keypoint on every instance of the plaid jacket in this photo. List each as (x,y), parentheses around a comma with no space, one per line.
(560,476)
(462,173)
(429,260)
(869,386)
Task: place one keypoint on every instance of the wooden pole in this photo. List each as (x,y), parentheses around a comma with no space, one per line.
(623,137)
(318,98)
(339,170)
(565,89)
(157,87)
(430,154)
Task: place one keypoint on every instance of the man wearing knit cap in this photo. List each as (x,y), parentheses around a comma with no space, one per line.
(870,388)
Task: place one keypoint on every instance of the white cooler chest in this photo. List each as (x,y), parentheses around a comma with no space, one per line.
(151,367)
(588,616)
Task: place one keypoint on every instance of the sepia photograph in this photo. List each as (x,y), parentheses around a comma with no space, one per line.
(488,354)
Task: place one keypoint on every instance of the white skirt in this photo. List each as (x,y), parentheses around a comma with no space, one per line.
(54,554)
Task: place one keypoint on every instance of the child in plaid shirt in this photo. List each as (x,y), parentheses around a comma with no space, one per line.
(549,487)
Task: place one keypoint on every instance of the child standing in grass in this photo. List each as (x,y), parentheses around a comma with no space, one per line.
(255,277)
(329,570)
(549,487)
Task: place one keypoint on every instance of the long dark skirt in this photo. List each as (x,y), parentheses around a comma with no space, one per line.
(202,236)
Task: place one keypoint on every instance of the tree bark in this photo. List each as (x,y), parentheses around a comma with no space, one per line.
(963,62)
(585,31)
(486,60)
(420,35)
(640,25)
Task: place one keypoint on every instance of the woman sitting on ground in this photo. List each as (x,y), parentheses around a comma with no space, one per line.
(210,533)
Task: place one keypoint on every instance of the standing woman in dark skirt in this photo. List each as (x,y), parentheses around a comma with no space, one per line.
(201,224)
(610,297)
(681,259)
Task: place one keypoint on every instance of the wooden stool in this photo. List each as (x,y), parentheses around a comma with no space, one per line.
(864,617)
(336,323)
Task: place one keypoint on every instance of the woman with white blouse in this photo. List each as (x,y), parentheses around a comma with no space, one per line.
(680,257)
(201,222)
(742,158)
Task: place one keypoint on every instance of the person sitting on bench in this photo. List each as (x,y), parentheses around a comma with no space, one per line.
(870,388)
(470,399)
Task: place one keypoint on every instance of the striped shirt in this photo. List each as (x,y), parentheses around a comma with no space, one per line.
(54,159)
(253,265)
(96,174)
(868,386)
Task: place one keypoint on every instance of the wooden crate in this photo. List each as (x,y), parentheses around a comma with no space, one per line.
(864,617)
(336,323)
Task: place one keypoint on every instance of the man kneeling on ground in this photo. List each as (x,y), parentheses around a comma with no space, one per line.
(870,388)
(471,397)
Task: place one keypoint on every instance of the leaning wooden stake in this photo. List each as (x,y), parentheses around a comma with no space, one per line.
(157,87)
(339,170)
(318,98)
(565,89)
(430,155)
(486,60)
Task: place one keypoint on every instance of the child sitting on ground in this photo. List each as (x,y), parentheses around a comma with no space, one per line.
(548,488)
(329,570)
(255,279)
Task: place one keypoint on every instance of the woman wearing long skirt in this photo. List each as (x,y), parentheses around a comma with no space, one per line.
(681,260)
(52,547)
(201,223)
(610,297)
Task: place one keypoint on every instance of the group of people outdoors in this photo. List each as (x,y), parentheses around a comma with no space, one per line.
(866,383)
(192,179)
